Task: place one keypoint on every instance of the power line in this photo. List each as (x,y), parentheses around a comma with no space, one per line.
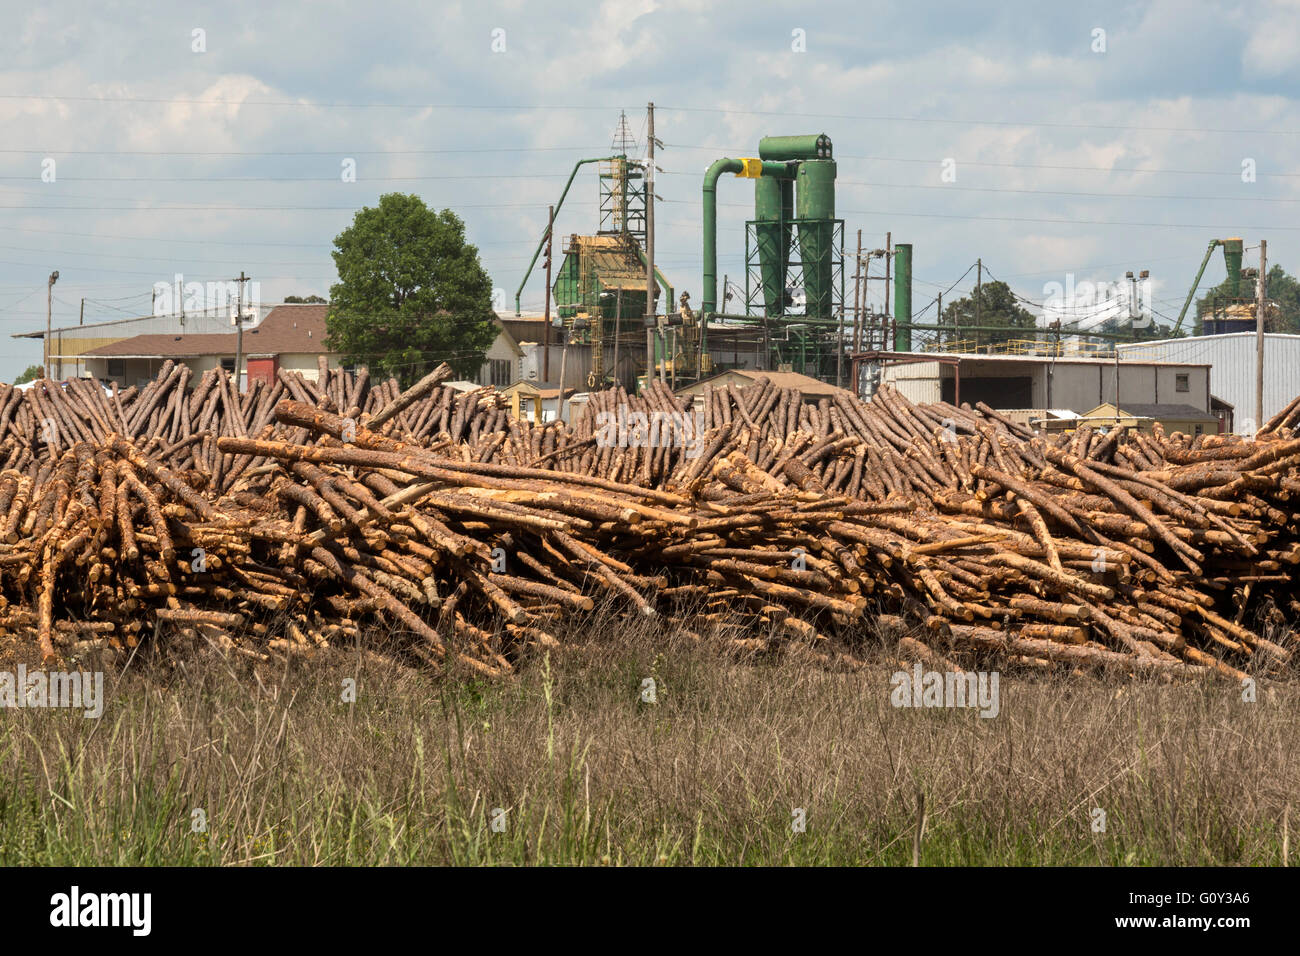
(297,104)
(282,179)
(1005,165)
(881,118)
(297,152)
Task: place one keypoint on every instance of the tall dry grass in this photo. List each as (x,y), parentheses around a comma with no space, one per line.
(284,772)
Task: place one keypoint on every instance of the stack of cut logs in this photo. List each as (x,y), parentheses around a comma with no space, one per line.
(435,524)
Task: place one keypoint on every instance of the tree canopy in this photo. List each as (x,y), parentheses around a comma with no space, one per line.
(32,374)
(998,306)
(411,292)
(304,300)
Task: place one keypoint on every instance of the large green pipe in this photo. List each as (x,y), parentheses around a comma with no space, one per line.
(815,210)
(1232,259)
(815,146)
(709,300)
(903,297)
(752,169)
(542,245)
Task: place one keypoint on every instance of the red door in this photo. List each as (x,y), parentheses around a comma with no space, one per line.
(262,369)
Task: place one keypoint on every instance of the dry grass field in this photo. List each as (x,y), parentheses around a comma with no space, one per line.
(216,761)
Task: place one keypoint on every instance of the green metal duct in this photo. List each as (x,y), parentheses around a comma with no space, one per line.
(1232,249)
(709,294)
(903,297)
(815,146)
(815,208)
(749,168)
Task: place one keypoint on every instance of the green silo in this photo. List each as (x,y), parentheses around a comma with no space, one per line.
(773,210)
(815,208)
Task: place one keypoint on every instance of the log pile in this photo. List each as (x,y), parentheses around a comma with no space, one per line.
(301,515)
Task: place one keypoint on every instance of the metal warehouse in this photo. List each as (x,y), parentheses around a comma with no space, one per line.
(1039,382)
(1233,360)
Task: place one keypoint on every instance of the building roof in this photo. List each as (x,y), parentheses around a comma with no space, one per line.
(529,328)
(1172,411)
(1025,359)
(1206,340)
(286,328)
(538,389)
(804,383)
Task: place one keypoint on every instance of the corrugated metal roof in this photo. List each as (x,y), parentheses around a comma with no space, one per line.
(1231,357)
(1030,359)
(1179,411)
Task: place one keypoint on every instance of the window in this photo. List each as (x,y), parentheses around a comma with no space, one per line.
(228,364)
(1182,382)
(1198,429)
(499,372)
(117,368)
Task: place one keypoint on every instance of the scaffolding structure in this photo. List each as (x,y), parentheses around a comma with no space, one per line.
(795,339)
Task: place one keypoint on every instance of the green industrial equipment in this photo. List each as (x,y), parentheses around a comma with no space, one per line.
(903,297)
(794,241)
(1232,251)
(600,283)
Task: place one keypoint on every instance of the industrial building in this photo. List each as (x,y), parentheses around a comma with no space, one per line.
(1232,358)
(793,287)
(1030,387)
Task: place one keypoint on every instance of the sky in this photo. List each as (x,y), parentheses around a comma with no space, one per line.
(1057,145)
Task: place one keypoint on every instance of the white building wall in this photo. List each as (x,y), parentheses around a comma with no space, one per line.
(1080,386)
(304,362)
(1232,376)
(500,350)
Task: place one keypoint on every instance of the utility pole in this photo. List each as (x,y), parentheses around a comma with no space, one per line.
(618,327)
(886,329)
(868,335)
(1260,284)
(839,346)
(564,360)
(81,320)
(650,247)
(546,325)
(857,298)
(49,312)
(239,333)
(888,271)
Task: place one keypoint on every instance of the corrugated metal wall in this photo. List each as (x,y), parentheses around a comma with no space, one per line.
(917,382)
(1232,377)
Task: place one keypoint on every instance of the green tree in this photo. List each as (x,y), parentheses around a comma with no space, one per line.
(411,292)
(304,300)
(998,306)
(1282,289)
(32,374)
